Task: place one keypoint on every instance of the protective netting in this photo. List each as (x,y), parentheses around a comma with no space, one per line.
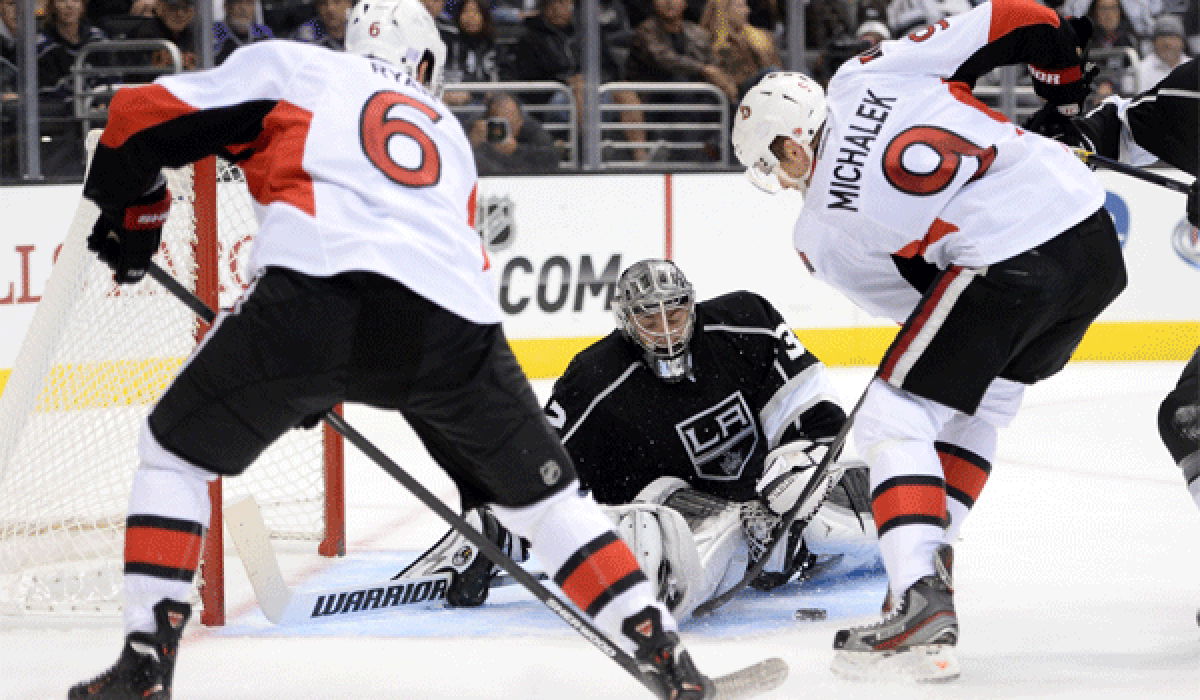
(95,358)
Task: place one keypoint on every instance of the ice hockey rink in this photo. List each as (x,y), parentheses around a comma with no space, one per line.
(1078,576)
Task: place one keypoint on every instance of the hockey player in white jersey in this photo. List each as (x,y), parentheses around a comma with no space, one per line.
(371,287)
(1003,236)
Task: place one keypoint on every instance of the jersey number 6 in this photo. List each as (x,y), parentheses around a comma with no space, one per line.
(376,130)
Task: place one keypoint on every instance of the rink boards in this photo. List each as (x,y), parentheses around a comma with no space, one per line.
(557,244)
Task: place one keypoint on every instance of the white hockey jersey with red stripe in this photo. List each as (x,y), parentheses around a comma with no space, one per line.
(352,165)
(911,164)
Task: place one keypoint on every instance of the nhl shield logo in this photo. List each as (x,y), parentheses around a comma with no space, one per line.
(495,222)
(174,619)
(551,472)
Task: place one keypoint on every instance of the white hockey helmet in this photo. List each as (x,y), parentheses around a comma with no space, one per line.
(781,104)
(655,292)
(402,33)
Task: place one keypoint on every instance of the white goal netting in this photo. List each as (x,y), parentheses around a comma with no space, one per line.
(94,360)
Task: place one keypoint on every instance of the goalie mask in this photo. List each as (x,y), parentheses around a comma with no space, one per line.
(656,310)
(402,33)
(791,105)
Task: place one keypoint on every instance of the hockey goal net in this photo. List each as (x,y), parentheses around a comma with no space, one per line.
(95,358)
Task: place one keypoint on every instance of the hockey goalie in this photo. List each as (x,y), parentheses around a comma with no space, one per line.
(695,425)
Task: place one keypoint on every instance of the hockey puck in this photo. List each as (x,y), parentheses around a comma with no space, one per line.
(810,614)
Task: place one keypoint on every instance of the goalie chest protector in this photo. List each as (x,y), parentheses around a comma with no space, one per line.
(624,427)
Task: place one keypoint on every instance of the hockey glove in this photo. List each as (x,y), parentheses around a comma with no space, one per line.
(1066,87)
(1193,204)
(126,240)
(1051,123)
(789,469)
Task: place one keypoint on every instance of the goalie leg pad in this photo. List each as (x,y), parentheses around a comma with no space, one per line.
(687,563)
(661,490)
(664,548)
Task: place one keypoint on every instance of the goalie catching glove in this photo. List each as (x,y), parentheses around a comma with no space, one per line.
(127,239)
(789,468)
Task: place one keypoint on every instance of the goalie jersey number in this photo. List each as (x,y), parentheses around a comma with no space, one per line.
(721,439)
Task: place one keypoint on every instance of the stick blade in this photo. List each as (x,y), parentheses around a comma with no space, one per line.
(759,678)
(244,522)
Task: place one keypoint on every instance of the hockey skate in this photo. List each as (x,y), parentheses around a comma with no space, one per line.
(664,661)
(147,663)
(915,642)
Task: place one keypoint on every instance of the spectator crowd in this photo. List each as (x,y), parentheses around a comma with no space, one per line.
(728,44)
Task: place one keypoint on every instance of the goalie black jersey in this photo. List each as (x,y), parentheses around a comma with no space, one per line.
(753,387)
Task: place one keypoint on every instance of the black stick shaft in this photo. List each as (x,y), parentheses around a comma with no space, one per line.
(1132,171)
(564,610)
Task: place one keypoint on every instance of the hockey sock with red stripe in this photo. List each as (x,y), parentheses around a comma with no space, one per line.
(164,535)
(577,544)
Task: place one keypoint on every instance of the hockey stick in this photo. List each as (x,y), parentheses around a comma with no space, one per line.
(755,679)
(787,519)
(1131,170)
(282,605)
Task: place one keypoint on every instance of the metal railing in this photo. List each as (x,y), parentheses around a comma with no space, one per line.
(1125,63)
(559,115)
(701,138)
(685,125)
(95,84)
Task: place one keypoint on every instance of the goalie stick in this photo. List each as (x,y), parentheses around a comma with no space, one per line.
(284,606)
(1131,170)
(785,521)
(755,679)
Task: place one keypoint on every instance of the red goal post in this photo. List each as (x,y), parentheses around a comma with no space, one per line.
(211,259)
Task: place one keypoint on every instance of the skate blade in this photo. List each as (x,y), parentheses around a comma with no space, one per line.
(935,663)
(762,677)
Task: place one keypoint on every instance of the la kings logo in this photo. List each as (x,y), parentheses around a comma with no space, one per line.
(720,439)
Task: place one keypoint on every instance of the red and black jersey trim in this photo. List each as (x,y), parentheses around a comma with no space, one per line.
(163,547)
(598,572)
(909,500)
(966,472)
(151,129)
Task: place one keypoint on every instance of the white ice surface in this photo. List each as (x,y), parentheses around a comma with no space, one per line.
(1078,577)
